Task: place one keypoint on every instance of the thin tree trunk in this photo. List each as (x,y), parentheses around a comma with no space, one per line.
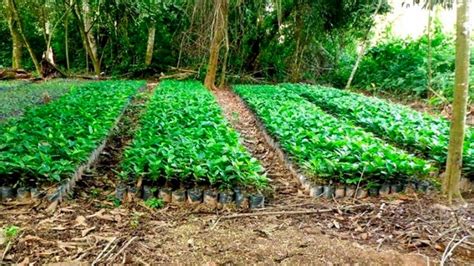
(11,5)
(430,54)
(87,37)
(66,41)
(150,45)
(16,37)
(88,26)
(220,7)
(49,55)
(362,50)
(456,138)
(17,49)
(227,48)
(295,69)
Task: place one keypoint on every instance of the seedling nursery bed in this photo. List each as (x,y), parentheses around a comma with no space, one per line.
(186,151)
(420,133)
(322,188)
(45,152)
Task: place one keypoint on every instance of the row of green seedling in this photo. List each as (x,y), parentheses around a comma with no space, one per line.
(326,150)
(353,191)
(18,97)
(184,141)
(6,85)
(209,197)
(416,132)
(52,144)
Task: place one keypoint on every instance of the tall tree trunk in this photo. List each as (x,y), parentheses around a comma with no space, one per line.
(362,50)
(218,29)
(86,35)
(227,47)
(48,54)
(11,6)
(150,44)
(66,41)
(295,66)
(88,26)
(456,138)
(16,37)
(430,54)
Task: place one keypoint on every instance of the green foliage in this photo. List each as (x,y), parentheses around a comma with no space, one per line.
(95,193)
(325,147)
(185,138)
(115,201)
(256,30)
(155,203)
(415,131)
(400,66)
(256,33)
(11,232)
(50,141)
(17,96)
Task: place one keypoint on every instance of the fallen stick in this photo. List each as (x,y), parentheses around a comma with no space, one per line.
(123,248)
(240,215)
(109,253)
(103,251)
(448,252)
(254,214)
(6,251)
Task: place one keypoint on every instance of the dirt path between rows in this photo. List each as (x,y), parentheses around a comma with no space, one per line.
(243,120)
(401,230)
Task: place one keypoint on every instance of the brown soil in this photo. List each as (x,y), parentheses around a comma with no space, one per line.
(252,138)
(402,229)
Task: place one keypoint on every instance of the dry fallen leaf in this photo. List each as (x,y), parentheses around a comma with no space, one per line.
(102,216)
(191,243)
(80,221)
(441,207)
(396,202)
(86,231)
(359,229)
(24,262)
(3,239)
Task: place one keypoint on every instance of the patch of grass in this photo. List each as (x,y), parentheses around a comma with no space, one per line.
(11,232)
(155,203)
(95,192)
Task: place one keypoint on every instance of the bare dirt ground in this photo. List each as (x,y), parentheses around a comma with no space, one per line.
(89,228)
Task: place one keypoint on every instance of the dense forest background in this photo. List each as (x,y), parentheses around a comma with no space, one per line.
(271,41)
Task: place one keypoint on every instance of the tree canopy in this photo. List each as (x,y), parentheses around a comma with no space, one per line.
(272,39)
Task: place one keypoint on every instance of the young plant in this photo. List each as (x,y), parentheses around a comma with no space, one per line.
(155,203)
(9,233)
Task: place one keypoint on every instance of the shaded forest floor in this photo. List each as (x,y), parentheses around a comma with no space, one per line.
(87,230)
(89,227)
